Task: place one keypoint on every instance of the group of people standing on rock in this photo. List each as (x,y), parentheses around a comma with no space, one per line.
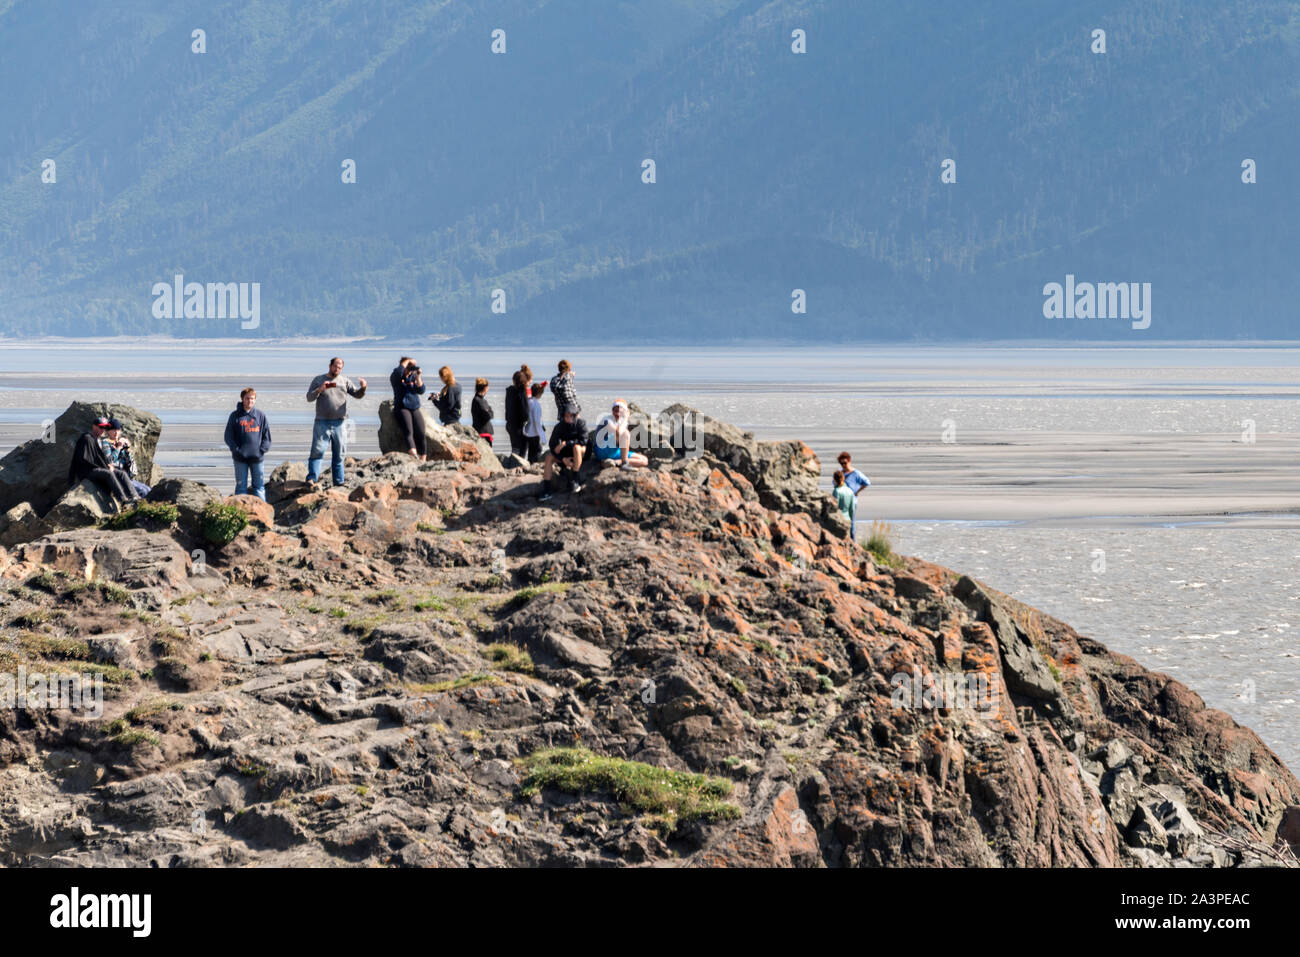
(523,414)
(567,446)
(104,455)
(248,435)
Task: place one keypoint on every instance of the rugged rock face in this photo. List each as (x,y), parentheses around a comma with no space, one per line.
(190,499)
(19,524)
(374,674)
(83,504)
(36,472)
(784,474)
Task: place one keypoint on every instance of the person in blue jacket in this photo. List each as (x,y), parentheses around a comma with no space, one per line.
(248,436)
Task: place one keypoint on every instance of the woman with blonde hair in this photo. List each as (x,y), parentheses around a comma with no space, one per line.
(448,400)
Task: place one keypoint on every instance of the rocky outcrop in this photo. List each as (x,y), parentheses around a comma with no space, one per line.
(368,675)
(785,474)
(20,524)
(456,443)
(190,499)
(83,504)
(36,472)
(286,480)
(134,558)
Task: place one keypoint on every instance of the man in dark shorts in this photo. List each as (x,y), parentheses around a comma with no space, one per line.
(568,444)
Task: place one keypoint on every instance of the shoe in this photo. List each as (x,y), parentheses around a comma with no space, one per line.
(545,496)
(625,465)
(575,487)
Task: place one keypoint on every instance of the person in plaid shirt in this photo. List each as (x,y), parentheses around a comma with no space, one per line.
(566,396)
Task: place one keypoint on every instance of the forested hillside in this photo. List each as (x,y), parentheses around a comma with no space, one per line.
(775,170)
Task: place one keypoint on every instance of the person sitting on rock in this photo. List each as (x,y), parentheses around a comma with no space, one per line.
(480,410)
(248,436)
(534,429)
(407,381)
(448,400)
(118,452)
(845,500)
(566,396)
(614,440)
(330,392)
(568,443)
(90,462)
(855,481)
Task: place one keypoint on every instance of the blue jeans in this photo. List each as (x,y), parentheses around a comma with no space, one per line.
(326,434)
(246,470)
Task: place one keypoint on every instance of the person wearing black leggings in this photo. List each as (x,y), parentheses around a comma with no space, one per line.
(408,385)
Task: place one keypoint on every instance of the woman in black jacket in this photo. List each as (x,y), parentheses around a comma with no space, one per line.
(517,409)
(448,400)
(408,385)
(480,410)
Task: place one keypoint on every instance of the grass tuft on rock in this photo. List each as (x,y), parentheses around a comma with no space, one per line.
(454,684)
(114,593)
(879,543)
(147,515)
(221,523)
(509,657)
(527,594)
(675,797)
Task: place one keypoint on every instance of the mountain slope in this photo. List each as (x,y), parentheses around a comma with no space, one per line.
(775,171)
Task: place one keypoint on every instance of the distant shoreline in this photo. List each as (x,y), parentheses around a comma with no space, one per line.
(546,342)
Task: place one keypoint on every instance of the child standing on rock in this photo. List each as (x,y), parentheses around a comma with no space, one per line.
(846,501)
(534,431)
(480,411)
